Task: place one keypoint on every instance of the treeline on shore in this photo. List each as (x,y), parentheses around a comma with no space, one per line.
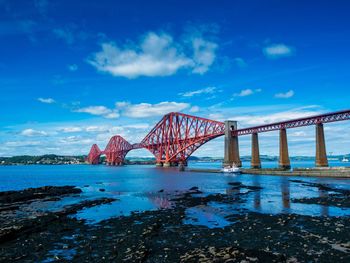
(42,159)
(81,159)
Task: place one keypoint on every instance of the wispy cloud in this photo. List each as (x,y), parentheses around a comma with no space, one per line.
(32,133)
(143,110)
(70,33)
(65,34)
(246,92)
(208,90)
(155,55)
(194,109)
(240,62)
(100,111)
(204,55)
(140,110)
(275,51)
(70,129)
(260,119)
(285,95)
(46,100)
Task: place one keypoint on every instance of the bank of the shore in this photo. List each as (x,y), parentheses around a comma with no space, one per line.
(331,172)
(166,235)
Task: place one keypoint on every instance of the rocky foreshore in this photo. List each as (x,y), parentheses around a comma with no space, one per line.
(162,235)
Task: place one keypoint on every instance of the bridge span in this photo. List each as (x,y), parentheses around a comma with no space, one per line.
(176,136)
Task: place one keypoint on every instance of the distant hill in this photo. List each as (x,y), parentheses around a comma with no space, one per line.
(42,159)
(80,159)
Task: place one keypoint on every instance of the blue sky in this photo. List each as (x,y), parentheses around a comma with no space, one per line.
(72,74)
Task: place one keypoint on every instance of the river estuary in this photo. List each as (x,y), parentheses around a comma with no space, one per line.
(208,202)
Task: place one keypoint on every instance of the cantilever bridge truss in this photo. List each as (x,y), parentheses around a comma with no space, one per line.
(176,136)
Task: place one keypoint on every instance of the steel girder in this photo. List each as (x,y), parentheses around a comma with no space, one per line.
(116,150)
(94,155)
(176,136)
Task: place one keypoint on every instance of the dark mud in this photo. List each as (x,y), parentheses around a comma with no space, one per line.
(162,236)
(31,194)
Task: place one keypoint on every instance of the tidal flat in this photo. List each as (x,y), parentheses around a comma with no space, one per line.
(188,226)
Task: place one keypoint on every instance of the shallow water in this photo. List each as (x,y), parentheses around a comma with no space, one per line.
(140,188)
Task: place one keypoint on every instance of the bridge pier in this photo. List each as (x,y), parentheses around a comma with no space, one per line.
(255,161)
(284,161)
(159,164)
(321,155)
(231,145)
(166,164)
(182,163)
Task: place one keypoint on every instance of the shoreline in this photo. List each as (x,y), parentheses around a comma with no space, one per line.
(330,172)
(164,236)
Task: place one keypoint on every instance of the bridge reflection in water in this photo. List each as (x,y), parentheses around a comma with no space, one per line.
(176,136)
(267,201)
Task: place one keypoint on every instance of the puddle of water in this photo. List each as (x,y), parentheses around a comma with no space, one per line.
(205,216)
(297,208)
(123,207)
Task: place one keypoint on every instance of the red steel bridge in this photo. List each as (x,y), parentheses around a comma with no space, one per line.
(176,136)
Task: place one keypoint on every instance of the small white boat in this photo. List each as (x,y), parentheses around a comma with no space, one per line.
(231,169)
(345,160)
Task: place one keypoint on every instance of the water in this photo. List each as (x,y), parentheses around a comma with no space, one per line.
(137,188)
(271,164)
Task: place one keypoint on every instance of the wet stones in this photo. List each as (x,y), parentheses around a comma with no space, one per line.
(161,236)
(36,193)
(228,254)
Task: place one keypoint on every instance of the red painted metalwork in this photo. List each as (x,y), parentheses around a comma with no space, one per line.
(94,155)
(176,136)
(307,121)
(116,150)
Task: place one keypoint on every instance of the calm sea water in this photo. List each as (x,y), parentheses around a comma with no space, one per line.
(137,189)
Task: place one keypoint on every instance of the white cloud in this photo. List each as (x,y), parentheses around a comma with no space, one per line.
(121,104)
(150,110)
(46,100)
(204,55)
(100,111)
(96,129)
(138,126)
(194,109)
(156,55)
(254,119)
(140,110)
(73,67)
(285,95)
(32,132)
(70,129)
(278,51)
(246,92)
(208,90)
(76,140)
(216,116)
